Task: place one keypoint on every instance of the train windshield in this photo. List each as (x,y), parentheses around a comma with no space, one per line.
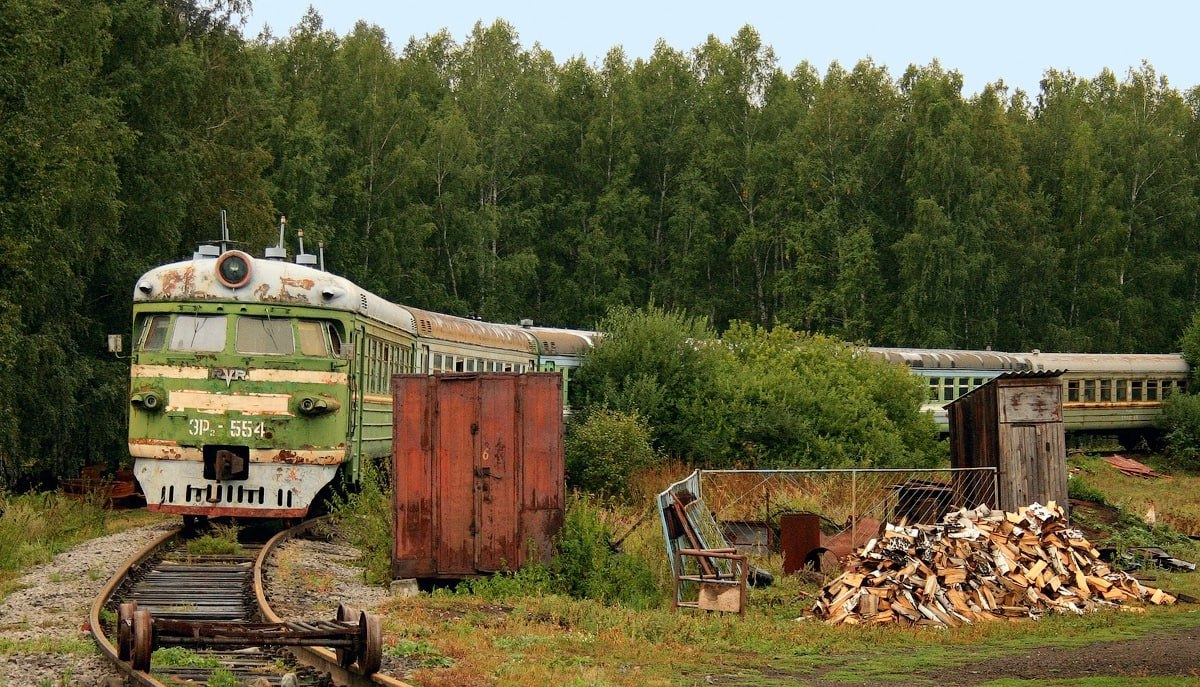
(202,333)
(265,336)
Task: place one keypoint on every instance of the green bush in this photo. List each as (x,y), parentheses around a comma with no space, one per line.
(365,518)
(604,448)
(1181,422)
(757,397)
(585,566)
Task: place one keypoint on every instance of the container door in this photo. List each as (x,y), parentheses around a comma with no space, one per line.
(496,447)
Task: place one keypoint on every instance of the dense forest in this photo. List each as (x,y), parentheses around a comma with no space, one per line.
(482,176)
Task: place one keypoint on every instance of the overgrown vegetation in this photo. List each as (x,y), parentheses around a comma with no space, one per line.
(180,657)
(221,539)
(605,448)
(364,516)
(753,397)
(36,527)
(585,566)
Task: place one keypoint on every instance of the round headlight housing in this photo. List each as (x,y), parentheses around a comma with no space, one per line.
(234,268)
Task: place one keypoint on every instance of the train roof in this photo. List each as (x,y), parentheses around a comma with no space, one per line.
(555,341)
(934,358)
(285,283)
(271,282)
(463,330)
(1109,362)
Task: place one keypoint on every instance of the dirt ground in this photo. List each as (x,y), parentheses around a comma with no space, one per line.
(1163,655)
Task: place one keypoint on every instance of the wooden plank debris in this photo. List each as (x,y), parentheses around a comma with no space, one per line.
(978,565)
(1131,467)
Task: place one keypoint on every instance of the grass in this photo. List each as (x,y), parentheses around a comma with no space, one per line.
(221,540)
(36,527)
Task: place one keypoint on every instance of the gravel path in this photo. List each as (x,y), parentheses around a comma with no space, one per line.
(43,631)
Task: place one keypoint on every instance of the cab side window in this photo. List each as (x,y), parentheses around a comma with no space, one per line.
(154,333)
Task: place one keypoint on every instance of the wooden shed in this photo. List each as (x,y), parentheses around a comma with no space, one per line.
(478,472)
(1015,424)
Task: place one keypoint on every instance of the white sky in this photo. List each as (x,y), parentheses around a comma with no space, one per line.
(1013,40)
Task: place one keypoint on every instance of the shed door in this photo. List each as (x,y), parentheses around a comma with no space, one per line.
(496,477)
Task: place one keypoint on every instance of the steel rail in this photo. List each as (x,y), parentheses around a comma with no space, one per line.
(322,659)
(122,573)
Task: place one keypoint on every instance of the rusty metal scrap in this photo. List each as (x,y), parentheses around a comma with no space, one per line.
(977,565)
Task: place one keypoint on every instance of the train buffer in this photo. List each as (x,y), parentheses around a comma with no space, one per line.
(355,636)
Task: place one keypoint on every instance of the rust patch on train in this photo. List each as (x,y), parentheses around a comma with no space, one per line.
(153,442)
(178,279)
(305,284)
(263,292)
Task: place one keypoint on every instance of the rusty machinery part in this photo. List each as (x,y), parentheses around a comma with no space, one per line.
(370,642)
(125,629)
(357,636)
(142,641)
(345,614)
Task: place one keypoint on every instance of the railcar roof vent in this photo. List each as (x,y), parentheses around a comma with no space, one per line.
(278,252)
(206,251)
(527,323)
(306,259)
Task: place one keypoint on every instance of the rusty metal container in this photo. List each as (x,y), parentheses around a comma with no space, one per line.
(799,538)
(478,472)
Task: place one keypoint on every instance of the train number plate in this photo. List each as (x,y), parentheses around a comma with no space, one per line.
(234,429)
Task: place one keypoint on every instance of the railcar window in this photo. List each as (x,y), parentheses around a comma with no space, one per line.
(1135,390)
(934,388)
(202,333)
(1122,390)
(154,333)
(1073,391)
(1089,391)
(470,364)
(1106,390)
(437,362)
(312,338)
(1151,389)
(335,339)
(1167,388)
(962,386)
(265,336)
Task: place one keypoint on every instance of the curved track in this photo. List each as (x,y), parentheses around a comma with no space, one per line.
(166,575)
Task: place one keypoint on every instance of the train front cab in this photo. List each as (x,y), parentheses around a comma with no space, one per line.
(237,409)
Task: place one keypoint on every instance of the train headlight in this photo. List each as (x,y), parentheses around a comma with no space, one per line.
(147,400)
(234,268)
(316,405)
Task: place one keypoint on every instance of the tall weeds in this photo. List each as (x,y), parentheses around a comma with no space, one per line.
(34,528)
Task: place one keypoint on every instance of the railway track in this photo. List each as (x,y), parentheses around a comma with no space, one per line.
(215,608)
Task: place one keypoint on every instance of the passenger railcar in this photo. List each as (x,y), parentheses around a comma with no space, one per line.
(1102,393)
(255,381)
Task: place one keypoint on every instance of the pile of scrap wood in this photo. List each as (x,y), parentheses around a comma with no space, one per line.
(977,565)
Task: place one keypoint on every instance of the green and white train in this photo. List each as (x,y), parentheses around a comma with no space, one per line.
(254,382)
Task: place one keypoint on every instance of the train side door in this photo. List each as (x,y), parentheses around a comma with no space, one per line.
(357,385)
